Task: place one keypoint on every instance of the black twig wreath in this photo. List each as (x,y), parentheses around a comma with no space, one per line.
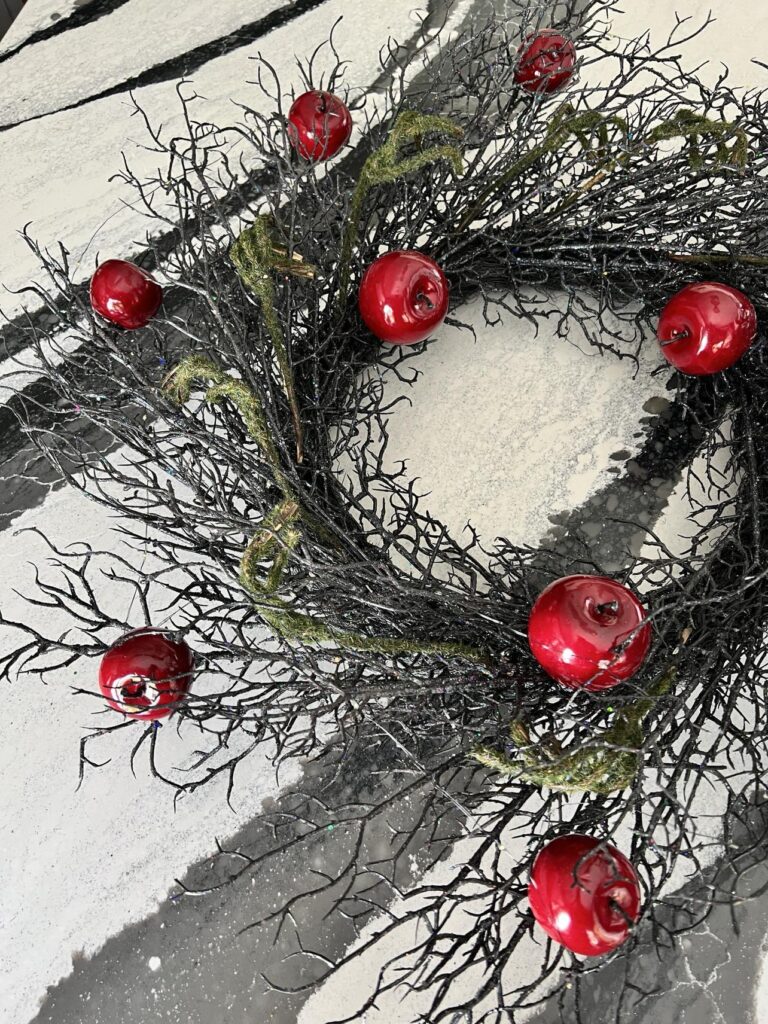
(322,601)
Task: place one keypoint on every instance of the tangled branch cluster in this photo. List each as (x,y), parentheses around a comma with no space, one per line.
(242,437)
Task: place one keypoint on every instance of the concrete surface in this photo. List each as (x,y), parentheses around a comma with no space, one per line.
(88,933)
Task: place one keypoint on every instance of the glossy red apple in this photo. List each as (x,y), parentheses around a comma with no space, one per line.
(125,294)
(585,894)
(546,61)
(403,297)
(588,632)
(706,327)
(146,674)
(319,124)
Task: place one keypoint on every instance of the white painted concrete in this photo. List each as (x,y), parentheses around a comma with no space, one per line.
(507,430)
(137,36)
(36,15)
(76,867)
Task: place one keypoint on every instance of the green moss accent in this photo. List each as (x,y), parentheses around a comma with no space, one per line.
(255,257)
(604,764)
(564,123)
(692,127)
(588,124)
(276,539)
(292,625)
(280,532)
(196,368)
(387,164)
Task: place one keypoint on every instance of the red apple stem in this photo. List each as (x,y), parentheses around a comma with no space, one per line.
(608,608)
(617,908)
(424,300)
(678,335)
(322,104)
(132,690)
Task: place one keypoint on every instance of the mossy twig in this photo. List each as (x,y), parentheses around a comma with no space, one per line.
(388,164)
(256,257)
(603,764)
(564,123)
(567,122)
(278,536)
(713,259)
(306,629)
(197,368)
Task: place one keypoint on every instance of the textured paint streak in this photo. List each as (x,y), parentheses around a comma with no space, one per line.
(187,63)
